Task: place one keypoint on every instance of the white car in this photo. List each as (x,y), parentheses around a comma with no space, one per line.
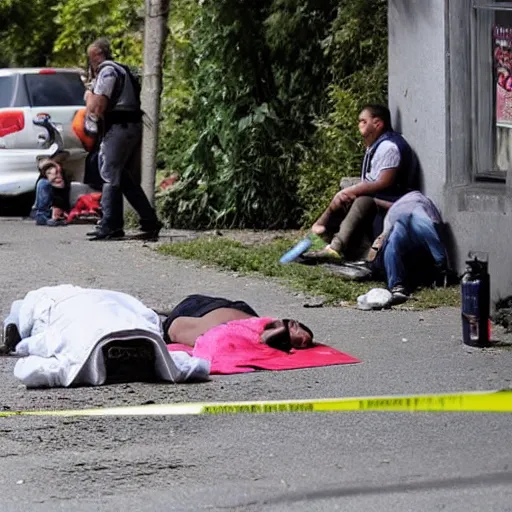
(26,94)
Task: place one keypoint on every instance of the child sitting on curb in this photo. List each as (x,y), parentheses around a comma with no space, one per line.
(52,193)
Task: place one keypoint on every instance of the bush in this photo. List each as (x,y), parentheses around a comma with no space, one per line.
(358,44)
(261,107)
(254,95)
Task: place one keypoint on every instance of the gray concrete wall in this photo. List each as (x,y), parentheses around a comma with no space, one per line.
(429,59)
(417,84)
(481,220)
(479,214)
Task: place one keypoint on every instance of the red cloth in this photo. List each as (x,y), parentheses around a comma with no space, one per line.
(235,347)
(86,205)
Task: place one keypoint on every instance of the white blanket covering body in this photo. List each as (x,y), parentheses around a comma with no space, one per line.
(63,329)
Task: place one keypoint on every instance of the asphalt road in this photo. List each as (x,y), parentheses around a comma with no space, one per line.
(304,462)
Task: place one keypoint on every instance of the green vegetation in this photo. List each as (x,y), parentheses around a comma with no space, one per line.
(258,114)
(260,99)
(269,96)
(264,260)
(57,32)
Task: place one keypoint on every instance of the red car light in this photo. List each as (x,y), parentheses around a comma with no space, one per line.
(11,121)
(47,72)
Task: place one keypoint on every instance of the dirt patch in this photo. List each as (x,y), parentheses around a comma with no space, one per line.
(253,237)
(247,237)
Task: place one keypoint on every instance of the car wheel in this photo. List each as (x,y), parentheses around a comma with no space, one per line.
(17,206)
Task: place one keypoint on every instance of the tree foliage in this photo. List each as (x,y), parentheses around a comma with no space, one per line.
(80,22)
(258,70)
(57,32)
(260,99)
(27,32)
(358,46)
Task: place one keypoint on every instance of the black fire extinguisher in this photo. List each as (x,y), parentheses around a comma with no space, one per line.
(475,303)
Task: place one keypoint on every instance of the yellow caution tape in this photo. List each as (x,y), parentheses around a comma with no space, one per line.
(480,401)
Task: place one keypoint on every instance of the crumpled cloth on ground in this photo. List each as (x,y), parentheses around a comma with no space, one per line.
(87,207)
(235,347)
(376,298)
(63,329)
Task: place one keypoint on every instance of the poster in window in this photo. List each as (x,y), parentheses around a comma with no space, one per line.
(503,66)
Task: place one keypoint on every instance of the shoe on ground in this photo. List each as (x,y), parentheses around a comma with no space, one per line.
(358,271)
(325,255)
(94,232)
(150,231)
(399,295)
(129,361)
(103,234)
(11,338)
(56,222)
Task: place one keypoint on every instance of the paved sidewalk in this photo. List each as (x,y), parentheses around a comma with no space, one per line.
(353,461)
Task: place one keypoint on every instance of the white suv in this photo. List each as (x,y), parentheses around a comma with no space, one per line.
(25,94)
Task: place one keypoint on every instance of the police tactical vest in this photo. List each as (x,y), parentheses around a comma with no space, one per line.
(126,94)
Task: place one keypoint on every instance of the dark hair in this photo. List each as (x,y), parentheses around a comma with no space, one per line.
(286,321)
(282,340)
(380,111)
(103,45)
(45,166)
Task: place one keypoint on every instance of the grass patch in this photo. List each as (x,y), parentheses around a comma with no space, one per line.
(131,219)
(264,259)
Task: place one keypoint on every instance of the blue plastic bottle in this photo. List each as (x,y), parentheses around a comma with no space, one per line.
(296,250)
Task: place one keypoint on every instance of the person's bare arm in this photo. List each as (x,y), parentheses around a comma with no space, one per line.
(386,179)
(336,203)
(386,205)
(58,213)
(376,246)
(96,104)
(364,188)
(347,195)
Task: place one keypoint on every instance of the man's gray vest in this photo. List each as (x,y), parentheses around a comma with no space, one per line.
(124,96)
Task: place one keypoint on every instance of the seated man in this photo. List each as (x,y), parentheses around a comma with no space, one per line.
(52,193)
(409,250)
(347,224)
(197,314)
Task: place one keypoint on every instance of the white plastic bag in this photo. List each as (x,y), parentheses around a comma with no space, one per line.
(376,298)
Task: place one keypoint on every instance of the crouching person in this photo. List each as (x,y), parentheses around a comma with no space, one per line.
(410,250)
(52,194)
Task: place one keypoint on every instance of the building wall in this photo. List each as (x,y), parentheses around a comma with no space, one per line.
(417,85)
(481,220)
(429,63)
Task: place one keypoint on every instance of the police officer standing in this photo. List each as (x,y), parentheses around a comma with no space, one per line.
(115,102)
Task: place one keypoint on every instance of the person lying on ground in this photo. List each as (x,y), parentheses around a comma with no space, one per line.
(234,339)
(52,193)
(69,336)
(198,314)
(387,172)
(410,250)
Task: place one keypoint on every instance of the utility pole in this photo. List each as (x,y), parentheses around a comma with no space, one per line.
(155,38)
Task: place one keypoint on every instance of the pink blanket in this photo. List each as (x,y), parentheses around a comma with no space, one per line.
(235,347)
